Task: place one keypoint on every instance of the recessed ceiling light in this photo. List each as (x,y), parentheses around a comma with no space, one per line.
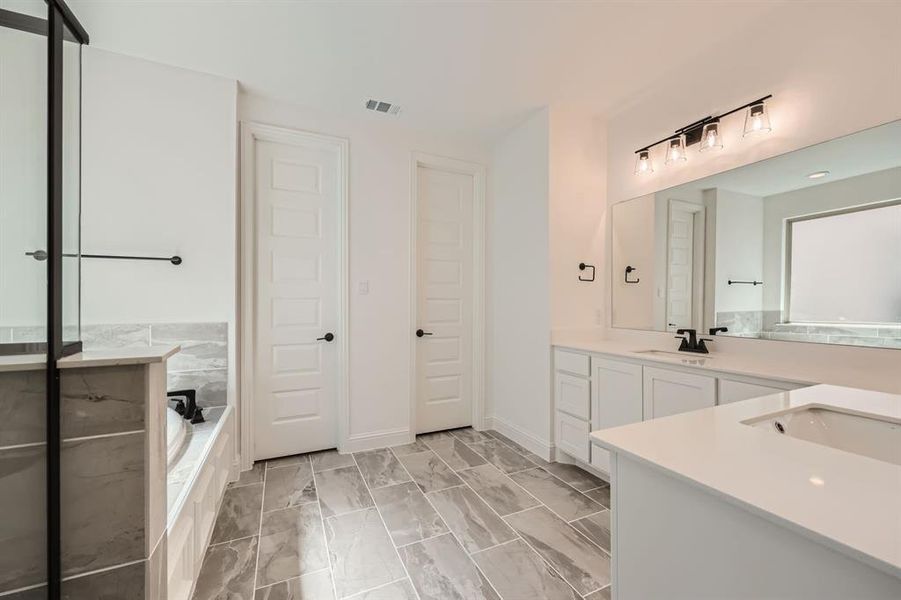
(817,174)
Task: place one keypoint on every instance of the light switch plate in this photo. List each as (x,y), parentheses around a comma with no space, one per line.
(363,287)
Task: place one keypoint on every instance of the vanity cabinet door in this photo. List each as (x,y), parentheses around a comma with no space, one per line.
(617,389)
(573,395)
(735,391)
(672,392)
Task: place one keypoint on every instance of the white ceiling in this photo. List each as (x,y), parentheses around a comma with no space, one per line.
(476,68)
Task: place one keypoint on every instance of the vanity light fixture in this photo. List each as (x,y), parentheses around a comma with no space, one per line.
(675,149)
(710,137)
(757,120)
(818,174)
(707,132)
(643,164)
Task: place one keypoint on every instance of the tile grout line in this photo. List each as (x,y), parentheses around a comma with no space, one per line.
(328,552)
(554,569)
(378,587)
(256,564)
(382,519)
(462,546)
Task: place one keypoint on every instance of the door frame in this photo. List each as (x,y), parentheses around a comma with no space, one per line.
(698,258)
(478,173)
(251,133)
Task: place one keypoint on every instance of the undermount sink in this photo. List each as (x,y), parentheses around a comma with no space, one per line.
(866,435)
(683,357)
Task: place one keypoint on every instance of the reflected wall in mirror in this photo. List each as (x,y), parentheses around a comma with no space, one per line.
(805,246)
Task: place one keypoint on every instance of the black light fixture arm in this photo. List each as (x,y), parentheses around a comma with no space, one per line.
(697,125)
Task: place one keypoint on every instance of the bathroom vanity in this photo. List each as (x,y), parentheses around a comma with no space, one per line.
(793,494)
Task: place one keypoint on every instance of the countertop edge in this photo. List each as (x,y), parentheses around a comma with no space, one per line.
(117,357)
(877,563)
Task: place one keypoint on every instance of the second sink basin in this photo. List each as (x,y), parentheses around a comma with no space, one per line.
(860,434)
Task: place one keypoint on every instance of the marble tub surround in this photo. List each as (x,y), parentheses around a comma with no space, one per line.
(183,467)
(747,465)
(113,476)
(403,523)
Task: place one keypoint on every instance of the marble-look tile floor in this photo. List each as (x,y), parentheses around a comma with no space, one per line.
(458,514)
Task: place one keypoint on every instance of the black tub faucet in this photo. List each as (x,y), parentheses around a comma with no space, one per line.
(187,408)
(692,343)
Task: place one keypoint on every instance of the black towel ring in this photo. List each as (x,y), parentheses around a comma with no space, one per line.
(582,267)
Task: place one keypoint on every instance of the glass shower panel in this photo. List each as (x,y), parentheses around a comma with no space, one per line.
(23,300)
(71,222)
(23,186)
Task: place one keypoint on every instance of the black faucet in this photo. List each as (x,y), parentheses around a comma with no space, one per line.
(692,343)
(714,330)
(187,408)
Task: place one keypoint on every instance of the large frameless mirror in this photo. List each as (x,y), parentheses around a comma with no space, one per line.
(805,247)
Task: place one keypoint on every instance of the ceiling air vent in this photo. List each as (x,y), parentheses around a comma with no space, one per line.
(383,107)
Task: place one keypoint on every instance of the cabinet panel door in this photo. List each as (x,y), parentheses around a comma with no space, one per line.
(573,395)
(673,392)
(617,390)
(572,436)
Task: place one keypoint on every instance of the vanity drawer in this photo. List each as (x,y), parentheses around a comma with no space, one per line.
(572,436)
(572,395)
(572,362)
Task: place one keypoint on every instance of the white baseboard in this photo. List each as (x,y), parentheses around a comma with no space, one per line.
(376,439)
(533,443)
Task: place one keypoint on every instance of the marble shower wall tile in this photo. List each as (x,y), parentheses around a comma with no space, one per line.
(127,335)
(441,570)
(380,468)
(407,514)
(291,544)
(239,514)
(204,346)
(23,525)
(360,552)
(582,564)
(102,502)
(115,584)
(516,571)
(22,407)
(101,400)
(211,386)
(228,571)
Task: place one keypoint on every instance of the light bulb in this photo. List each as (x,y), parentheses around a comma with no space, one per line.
(675,150)
(710,137)
(757,120)
(643,164)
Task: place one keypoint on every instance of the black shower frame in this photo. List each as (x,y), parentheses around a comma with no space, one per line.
(60,24)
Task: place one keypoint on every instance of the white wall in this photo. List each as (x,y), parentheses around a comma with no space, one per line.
(829,71)
(634,243)
(159,178)
(379,198)
(518,303)
(739,251)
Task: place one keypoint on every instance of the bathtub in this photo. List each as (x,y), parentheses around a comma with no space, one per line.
(176,433)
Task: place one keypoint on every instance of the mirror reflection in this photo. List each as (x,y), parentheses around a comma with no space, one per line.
(805,246)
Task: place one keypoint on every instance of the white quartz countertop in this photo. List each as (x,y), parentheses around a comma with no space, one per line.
(849,502)
(118,356)
(760,366)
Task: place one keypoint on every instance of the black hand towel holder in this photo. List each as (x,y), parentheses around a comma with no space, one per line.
(582,267)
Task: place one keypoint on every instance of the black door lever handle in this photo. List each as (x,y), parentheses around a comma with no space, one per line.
(327,337)
(420,333)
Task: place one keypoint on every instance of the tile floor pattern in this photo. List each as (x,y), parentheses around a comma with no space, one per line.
(457,514)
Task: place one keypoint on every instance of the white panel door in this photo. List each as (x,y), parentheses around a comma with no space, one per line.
(444,275)
(297,204)
(679,276)
(668,392)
